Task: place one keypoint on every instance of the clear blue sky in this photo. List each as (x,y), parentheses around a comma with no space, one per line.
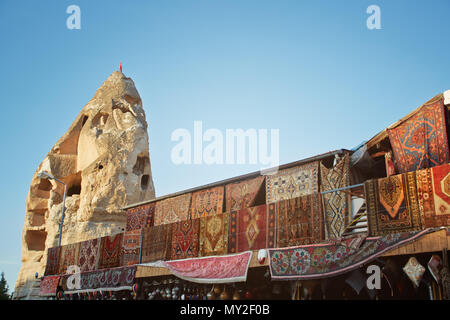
(309,68)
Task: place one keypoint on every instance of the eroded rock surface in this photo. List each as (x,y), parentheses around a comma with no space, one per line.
(104,160)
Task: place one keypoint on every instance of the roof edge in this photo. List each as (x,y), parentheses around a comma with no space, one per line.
(241,177)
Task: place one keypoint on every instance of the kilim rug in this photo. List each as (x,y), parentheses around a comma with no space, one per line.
(300,221)
(271,225)
(110,251)
(329,260)
(140,217)
(247,229)
(115,279)
(292,183)
(172,209)
(421,141)
(52,265)
(131,247)
(242,194)
(185,239)
(48,286)
(156,243)
(433,190)
(218,269)
(392,204)
(69,256)
(207,202)
(89,255)
(336,204)
(214,234)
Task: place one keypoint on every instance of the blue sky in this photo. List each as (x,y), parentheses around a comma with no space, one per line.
(311,69)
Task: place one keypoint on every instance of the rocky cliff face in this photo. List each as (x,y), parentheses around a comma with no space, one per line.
(104,160)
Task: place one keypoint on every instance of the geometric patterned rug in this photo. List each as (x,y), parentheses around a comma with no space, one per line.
(69,256)
(433,189)
(48,286)
(52,261)
(131,247)
(392,204)
(292,182)
(242,194)
(300,221)
(89,255)
(214,234)
(185,239)
(247,229)
(217,269)
(172,209)
(156,243)
(336,204)
(421,141)
(332,259)
(207,202)
(113,279)
(110,251)
(140,217)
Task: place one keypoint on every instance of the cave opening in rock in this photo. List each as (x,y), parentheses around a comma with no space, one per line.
(35,240)
(100,120)
(38,218)
(84,120)
(74,184)
(141,163)
(74,189)
(144,181)
(45,185)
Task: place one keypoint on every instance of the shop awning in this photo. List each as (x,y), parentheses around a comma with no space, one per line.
(212,269)
(114,279)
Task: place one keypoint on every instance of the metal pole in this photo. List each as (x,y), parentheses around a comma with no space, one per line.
(62,214)
(343,188)
(140,252)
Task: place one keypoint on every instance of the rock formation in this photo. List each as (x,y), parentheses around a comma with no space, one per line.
(104,160)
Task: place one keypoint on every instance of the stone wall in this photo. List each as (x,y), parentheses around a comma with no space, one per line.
(104,160)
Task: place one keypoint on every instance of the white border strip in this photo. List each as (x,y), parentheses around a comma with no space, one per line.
(99,289)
